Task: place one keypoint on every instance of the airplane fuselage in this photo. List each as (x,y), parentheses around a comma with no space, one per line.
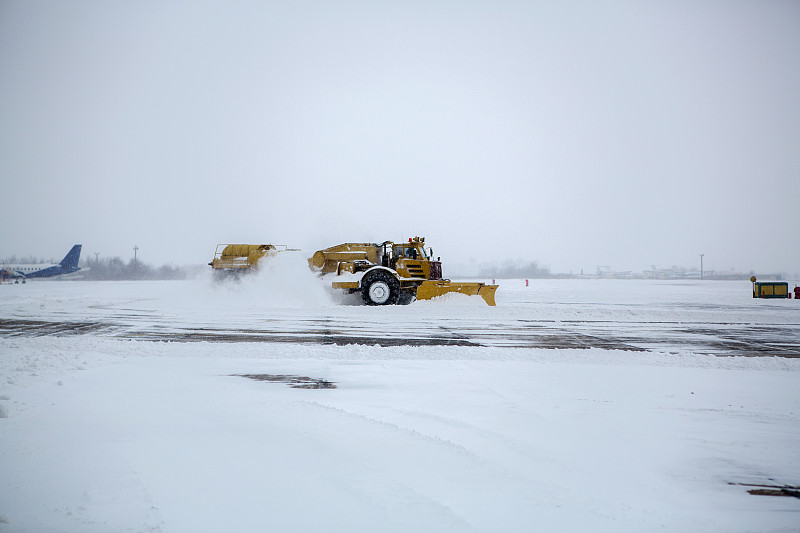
(43,270)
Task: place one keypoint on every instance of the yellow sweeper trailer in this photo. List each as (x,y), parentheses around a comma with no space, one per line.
(391,273)
(234,259)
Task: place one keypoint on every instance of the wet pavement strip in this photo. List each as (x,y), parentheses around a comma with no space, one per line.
(722,339)
(39,328)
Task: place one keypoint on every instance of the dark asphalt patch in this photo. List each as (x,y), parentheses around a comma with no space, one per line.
(295,382)
(792,491)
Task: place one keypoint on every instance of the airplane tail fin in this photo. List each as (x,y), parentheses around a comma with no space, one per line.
(70,261)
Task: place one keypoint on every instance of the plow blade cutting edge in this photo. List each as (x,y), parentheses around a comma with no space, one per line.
(433,288)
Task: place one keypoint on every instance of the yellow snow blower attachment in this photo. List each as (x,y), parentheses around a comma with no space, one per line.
(240,258)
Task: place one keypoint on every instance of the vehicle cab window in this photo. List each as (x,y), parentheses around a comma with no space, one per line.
(409,252)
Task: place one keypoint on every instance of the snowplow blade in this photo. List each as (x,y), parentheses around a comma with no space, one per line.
(433,288)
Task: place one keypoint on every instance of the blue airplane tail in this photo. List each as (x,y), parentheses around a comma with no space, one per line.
(70,261)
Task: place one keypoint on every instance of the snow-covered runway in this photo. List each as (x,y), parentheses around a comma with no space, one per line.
(104,431)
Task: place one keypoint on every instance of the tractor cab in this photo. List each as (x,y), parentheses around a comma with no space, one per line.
(411,260)
(410,251)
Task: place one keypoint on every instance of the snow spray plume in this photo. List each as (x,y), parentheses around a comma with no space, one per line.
(281,280)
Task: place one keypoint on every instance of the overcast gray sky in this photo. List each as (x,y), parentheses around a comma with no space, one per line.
(576,134)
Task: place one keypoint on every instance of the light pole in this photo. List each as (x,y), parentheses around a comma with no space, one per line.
(701,266)
(135,249)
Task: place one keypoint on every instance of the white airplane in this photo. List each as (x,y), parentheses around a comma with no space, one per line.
(67,265)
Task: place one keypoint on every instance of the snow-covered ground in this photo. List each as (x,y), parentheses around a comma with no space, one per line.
(437,422)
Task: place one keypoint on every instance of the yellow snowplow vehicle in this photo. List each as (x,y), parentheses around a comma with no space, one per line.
(238,258)
(391,273)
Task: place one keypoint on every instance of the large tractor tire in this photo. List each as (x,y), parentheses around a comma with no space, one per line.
(380,288)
